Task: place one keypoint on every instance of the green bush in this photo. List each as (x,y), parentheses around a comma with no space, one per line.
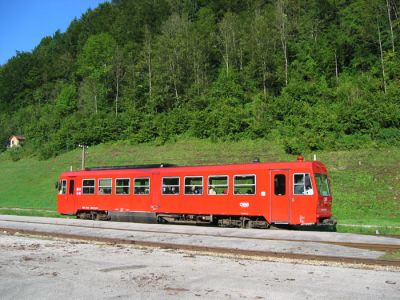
(389,136)
(16,153)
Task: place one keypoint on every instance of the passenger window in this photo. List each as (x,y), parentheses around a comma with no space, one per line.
(122,186)
(194,185)
(170,185)
(218,185)
(105,186)
(88,186)
(142,186)
(244,184)
(302,184)
(62,187)
(280,184)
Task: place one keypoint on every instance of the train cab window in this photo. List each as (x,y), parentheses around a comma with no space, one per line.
(244,184)
(105,186)
(218,185)
(88,186)
(62,187)
(142,186)
(194,185)
(122,186)
(323,185)
(280,184)
(302,184)
(170,185)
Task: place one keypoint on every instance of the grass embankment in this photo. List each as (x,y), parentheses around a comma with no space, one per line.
(365,183)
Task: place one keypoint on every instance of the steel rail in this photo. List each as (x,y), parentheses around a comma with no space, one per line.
(366,246)
(214,250)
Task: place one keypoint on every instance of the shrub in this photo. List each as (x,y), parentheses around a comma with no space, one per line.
(16,153)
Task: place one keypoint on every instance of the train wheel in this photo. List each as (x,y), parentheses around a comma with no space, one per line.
(248,224)
(161,220)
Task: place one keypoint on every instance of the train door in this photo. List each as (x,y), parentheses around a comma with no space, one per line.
(280,202)
(70,205)
(155,191)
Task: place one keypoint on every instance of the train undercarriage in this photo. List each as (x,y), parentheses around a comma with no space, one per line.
(143,217)
(205,220)
(216,220)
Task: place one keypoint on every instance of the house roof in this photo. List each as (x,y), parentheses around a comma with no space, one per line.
(18,137)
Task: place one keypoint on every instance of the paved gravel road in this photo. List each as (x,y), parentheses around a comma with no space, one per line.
(33,268)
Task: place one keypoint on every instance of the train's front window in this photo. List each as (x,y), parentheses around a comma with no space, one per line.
(323,184)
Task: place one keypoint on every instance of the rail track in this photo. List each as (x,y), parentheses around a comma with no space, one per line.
(367,246)
(178,239)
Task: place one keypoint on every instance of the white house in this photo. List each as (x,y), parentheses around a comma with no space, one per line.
(16,140)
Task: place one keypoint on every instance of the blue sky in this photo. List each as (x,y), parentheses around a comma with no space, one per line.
(23,23)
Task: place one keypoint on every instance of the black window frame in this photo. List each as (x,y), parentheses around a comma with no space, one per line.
(217,187)
(244,185)
(169,187)
(277,192)
(145,187)
(198,188)
(306,186)
(105,187)
(62,187)
(88,186)
(124,187)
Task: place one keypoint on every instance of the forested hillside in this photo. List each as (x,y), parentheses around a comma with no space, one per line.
(318,74)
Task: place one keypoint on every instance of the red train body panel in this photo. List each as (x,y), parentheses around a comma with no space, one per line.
(281,193)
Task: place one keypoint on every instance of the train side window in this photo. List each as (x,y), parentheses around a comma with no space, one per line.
(105,186)
(218,185)
(88,186)
(194,185)
(302,184)
(280,184)
(170,185)
(244,184)
(142,186)
(122,186)
(62,187)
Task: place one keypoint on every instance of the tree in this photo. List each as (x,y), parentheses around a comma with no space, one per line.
(281,18)
(389,9)
(229,40)
(118,71)
(314,74)
(95,63)
(262,43)
(171,58)
(148,53)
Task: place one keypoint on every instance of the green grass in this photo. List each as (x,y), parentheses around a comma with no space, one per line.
(374,230)
(365,183)
(32,212)
(392,256)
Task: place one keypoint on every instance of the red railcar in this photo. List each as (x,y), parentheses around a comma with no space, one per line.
(248,195)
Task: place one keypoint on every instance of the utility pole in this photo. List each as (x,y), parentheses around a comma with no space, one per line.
(84,147)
